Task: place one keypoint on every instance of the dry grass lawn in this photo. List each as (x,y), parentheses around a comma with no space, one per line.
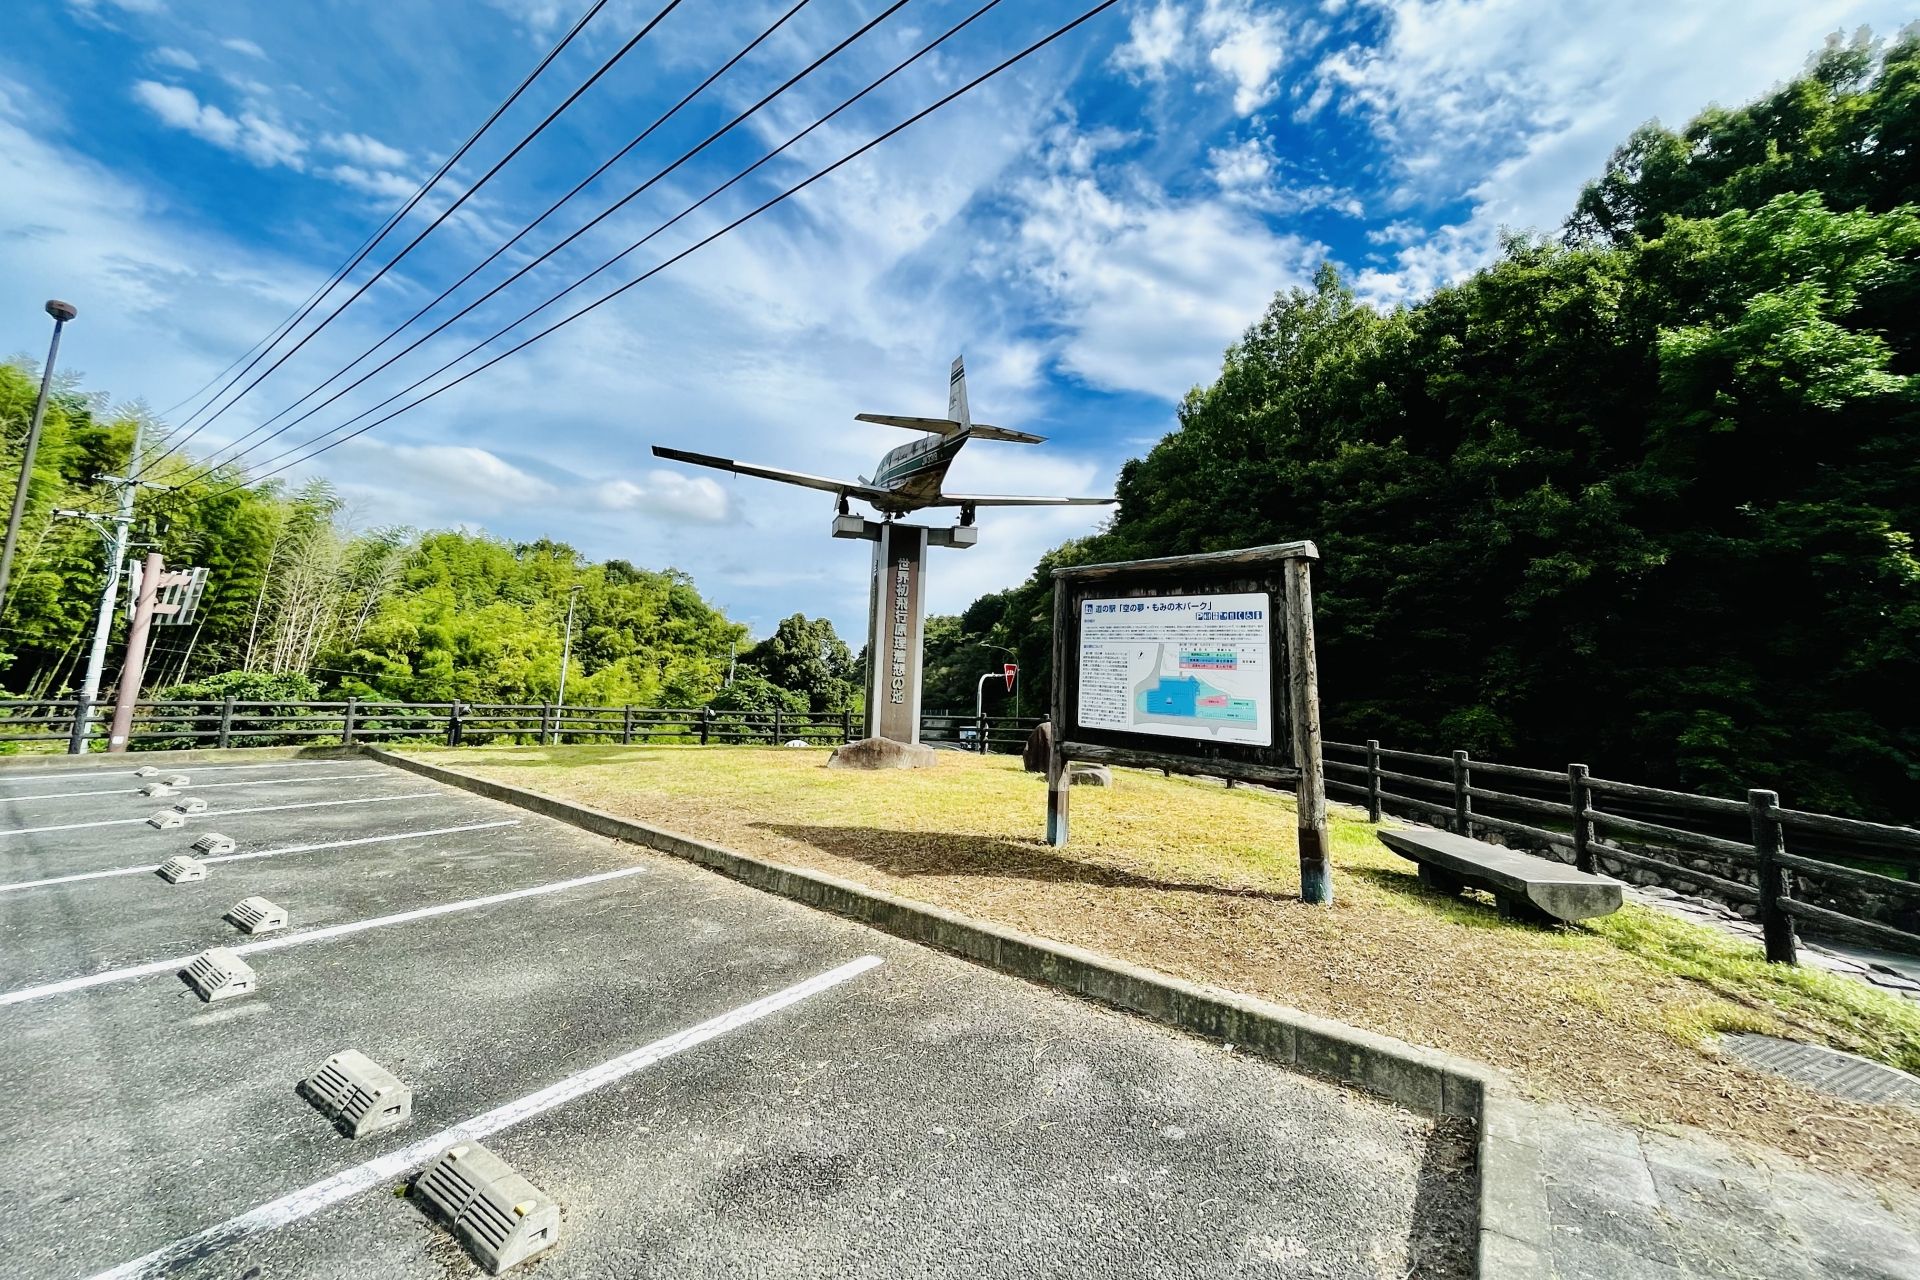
(1197,880)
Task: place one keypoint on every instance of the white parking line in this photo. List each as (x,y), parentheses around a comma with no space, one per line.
(207,786)
(349,1182)
(223,813)
(33,775)
(150,867)
(311,935)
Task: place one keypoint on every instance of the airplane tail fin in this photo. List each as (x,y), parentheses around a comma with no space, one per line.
(957,393)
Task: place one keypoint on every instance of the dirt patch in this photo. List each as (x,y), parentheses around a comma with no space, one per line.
(1202,882)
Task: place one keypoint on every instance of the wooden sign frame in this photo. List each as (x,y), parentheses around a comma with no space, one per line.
(1284,572)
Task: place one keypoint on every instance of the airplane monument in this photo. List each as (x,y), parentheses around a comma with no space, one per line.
(908,479)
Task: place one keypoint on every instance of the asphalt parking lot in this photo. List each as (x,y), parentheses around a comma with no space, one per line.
(706,1079)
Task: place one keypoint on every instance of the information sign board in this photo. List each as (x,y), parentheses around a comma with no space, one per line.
(1198,666)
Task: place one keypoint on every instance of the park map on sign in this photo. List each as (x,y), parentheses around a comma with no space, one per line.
(1178,666)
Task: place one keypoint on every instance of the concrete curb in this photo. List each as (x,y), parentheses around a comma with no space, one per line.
(1513,1211)
(188,755)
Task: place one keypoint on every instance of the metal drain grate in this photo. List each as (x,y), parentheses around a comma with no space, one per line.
(214,842)
(183,870)
(218,974)
(499,1215)
(256,915)
(166,819)
(191,804)
(358,1094)
(1844,1075)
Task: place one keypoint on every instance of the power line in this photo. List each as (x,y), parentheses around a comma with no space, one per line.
(448,212)
(580,231)
(341,273)
(711,195)
(855,154)
(494,256)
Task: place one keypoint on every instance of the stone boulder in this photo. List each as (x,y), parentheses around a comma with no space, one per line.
(1089,775)
(882,753)
(1039,748)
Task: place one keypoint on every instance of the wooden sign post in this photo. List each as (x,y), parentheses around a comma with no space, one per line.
(1196,664)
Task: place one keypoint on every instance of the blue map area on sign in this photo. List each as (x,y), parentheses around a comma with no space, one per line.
(1190,698)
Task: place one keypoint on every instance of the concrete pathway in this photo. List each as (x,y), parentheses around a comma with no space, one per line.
(1619,1204)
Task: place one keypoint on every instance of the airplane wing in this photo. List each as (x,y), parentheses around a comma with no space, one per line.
(948,426)
(998,500)
(853,488)
(984,432)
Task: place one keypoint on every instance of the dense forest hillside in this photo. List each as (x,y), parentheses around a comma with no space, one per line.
(1643,496)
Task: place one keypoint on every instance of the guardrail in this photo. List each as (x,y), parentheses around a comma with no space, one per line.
(977,733)
(1736,850)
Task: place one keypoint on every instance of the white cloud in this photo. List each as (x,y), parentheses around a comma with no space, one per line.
(179,59)
(1496,101)
(1243,45)
(1156,40)
(1152,289)
(241,45)
(258,139)
(1248,50)
(358,148)
(482,481)
(374,183)
(1240,165)
(669,493)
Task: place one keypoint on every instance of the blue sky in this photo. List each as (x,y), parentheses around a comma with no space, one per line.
(1091,229)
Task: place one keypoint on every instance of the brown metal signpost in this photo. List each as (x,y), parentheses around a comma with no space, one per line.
(1198,664)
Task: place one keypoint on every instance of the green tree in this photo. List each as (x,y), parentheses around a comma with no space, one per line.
(808,657)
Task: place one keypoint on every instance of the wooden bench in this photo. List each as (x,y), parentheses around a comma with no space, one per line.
(1538,890)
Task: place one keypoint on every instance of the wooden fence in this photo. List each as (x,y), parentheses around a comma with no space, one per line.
(1737,850)
(234,722)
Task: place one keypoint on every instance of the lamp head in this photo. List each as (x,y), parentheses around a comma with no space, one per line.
(61,311)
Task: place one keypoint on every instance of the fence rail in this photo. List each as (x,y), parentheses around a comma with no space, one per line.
(242,722)
(1735,849)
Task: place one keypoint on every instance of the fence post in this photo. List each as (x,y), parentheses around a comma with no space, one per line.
(846,724)
(226,723)
(347,722)
(778,735)
(706,724)
(1776,882)
(1462,802)
(453,723)
(626,727)
(1580,796)
(82,717)
(544,709)
(1373,779)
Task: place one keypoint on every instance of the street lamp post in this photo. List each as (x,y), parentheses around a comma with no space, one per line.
(61,313)
(566,653)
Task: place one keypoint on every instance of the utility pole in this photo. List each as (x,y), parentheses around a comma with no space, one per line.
(61,313)
(136,666)
(566,652)
(118,536)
